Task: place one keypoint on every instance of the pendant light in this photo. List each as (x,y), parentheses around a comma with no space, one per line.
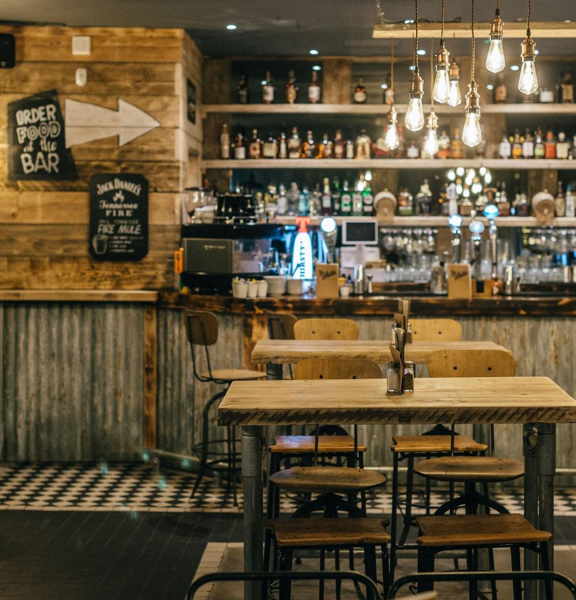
(528,81)
(431,139)
(495,61)
(415,114)
(441,91)
(455,97)
(472,133)
(392,139)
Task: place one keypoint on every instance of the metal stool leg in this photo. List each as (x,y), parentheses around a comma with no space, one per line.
(548,586)
(385,571)
(337,568)
(393,520)
(517,585)
(285,565)
(408,512)
(322,568)
(370,562)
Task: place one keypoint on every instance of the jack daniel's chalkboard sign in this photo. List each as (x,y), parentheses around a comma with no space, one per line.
(118,217)
(36,140)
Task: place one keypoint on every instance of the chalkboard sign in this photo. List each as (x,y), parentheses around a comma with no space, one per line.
(36,140)
(118,217)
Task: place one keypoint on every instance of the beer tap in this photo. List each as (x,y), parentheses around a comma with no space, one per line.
(491,212)
(455,222)
(476,229)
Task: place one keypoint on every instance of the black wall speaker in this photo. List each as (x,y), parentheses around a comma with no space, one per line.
(7,51)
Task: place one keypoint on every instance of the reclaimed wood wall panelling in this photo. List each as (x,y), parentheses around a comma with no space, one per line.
(150,351)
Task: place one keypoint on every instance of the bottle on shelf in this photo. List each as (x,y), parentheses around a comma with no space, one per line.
(293,196)
(567,89)
(242,90)
(349,149)
(326,147)
(360,94)
(457,146)
(562,146)
(443,145)
(521,205)
(399,151)
(528,145)
(357,204)
(405,203)
(304,202)
(225,143)
(539,149)
(291,89)
(389,92)
(255,146)
(314,89)
(424,199)
(294,144)
(546,95)
(282,202)
(270,148)
(380,149)
(326,198)
(368,197)
(503,203)
(282,146)
(267,89)
(339,145)
(363,143)
(309,149)
(316,201)
(570,202)
(336,197)
(412,150)
(346,201)
(550,145)
(505,147)
(560,201)
(516,145)
(239,147)
(500,91)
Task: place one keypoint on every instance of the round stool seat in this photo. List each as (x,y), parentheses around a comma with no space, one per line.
(481,469)
(229,375)
(322,480)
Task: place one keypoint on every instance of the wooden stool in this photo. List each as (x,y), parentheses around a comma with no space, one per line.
(202,330)
(326,329)
(337,534)
(436,330)
(472,532)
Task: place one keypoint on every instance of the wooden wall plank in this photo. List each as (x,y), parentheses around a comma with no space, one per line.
(217,81)
(336,81)
(150,376)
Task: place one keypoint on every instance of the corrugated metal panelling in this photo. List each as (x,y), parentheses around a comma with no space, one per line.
(71,381)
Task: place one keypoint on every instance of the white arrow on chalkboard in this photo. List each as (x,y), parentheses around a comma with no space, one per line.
(88,122)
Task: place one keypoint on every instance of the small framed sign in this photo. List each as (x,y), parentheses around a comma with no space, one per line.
(118,217)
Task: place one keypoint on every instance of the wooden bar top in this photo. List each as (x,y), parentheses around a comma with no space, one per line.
(364,401)
(78,296)
(423,306)
(292,351)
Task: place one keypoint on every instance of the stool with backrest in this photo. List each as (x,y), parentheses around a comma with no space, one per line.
(433,443)
(202,332)
(329,483)
(326,329)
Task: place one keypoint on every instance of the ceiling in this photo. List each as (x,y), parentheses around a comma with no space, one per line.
(283,27)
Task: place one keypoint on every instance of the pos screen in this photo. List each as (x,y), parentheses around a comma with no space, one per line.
(360,232)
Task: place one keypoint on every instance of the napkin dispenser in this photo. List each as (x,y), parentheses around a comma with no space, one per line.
(400,373)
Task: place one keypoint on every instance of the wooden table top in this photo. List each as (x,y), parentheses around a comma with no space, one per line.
(292,351)
(364,401)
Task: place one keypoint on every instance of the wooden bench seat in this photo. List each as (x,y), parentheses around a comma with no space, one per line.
(478,530)
(435,444)
(462,469)
(304,444)
(322,480)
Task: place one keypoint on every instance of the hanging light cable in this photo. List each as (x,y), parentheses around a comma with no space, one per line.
(472,133)
(415,114)
(455,97)
(392,139)
(441,91)
(528,81)
(495,61)
(431,139)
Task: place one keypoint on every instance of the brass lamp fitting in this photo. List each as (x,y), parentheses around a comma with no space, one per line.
(416,85)
(442,58)
(454,72)
(472,98)
(497,27)
(528,48)
(392,116)
(432,122)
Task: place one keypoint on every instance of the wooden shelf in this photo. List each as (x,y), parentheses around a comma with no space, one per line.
(390,163)
(439,221)
(382,109)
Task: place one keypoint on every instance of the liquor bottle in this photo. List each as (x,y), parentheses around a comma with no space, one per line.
(291,89)
(380,149)
(326,198)
(309,149)
(570,202)
(357,197)
(457,146)
(225,143)
(293,195)
(339,145)
(516,145)
(304,202)
(546,95)
(294,144)
(282,202)
(255,146)
(346,201)
(336,198)
(282,146)
(363,146)
(388,92)
(560,202)
(267,89)
(574,147)
(502,201)
(424,199)
(242,90)
(405,203)
(367,199)
(316,201)
(349,149)
(539,149)
(521,206)
(271,201)
(412,150)
(314,89)
(325,148)
(239,147)
(562,146)
(270,148)
(567,89)
(550,145)
(360,95)
(443,145)
(399,152)
(500,91)
(528,145)
(504,148)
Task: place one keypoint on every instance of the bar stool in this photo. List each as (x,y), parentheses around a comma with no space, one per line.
(473,532)
(202,330)
(326,329)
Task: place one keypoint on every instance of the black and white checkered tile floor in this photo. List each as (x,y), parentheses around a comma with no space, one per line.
(138,487)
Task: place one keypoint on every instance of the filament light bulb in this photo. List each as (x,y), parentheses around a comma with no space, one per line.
(472,133)
(392,139)
(528,81)
(495,61)
(442,86)
(431,143)
(454,95)
(415,115)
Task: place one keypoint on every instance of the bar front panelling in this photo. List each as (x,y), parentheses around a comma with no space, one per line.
(71,381)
